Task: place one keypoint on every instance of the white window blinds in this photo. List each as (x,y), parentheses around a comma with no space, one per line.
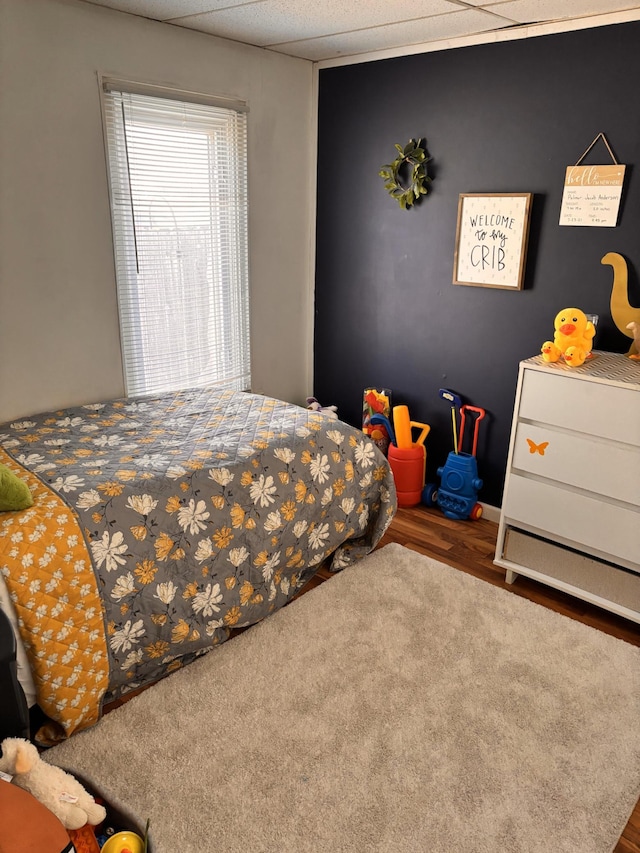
(178,178)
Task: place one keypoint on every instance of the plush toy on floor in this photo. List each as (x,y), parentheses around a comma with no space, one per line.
(572,340)
(54,788)
(315,406)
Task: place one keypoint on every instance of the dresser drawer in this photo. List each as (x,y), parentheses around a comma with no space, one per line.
(590,523)
(595,465)
(588,407)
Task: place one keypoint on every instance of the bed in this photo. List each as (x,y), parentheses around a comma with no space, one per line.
(161,524)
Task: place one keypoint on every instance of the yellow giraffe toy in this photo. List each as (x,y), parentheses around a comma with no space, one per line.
(625,316)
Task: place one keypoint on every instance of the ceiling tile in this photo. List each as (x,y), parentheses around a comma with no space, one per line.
(281,21)
(531,11)
(163,10)
(395,35)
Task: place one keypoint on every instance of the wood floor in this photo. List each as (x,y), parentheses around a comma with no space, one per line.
(470,546)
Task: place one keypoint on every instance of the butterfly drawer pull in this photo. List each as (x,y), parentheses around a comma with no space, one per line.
(537,448)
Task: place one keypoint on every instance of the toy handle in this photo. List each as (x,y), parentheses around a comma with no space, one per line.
(426,429)
(381,419)
(481,413)
(402,427)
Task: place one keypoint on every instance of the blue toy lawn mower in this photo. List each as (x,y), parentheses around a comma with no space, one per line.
(457,495)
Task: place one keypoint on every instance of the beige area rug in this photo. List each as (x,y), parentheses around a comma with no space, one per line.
(402,706)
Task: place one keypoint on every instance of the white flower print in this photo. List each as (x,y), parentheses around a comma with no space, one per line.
(108,550)
(29,460)
(156,461)
(237,556)
(204,550)
(284,454)
(144,504)
(366,481)
(246,451)
(213,625)
(222,476)
(262,489)
(174,472)
(69,422)
(206,602)
(347,505)
(193,516)
(327,496)
(23,424)
(270,566)
(132,659)
(335,436)
(68,484)
(364,453)
(319,467)
(273,522)
(166,592)
(125,638)
(56,442)
(108,441)
(299,528)
(340,559)
(363,518)
(124,586)
(318,536)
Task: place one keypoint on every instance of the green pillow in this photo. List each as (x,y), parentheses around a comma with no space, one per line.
(14,493)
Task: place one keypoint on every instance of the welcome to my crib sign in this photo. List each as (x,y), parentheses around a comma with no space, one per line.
(491,239)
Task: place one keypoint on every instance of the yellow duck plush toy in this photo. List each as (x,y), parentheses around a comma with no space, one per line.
(572,340)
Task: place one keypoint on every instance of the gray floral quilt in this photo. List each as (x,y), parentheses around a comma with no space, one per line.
(181,517)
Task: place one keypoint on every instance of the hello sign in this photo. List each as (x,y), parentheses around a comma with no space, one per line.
(592,194)
(491,239)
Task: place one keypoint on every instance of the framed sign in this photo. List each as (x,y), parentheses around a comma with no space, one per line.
(491,239)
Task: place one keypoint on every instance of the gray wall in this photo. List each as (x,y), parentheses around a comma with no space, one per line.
(59,340)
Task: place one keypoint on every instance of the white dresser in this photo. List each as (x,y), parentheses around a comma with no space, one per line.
(570,513)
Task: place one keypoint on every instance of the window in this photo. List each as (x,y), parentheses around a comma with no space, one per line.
(177,172)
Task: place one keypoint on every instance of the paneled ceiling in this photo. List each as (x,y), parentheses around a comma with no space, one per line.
(329,29)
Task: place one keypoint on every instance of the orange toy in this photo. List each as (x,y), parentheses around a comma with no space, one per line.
(408,459)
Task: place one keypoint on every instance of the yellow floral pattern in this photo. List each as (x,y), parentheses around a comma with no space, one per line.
(199,511)
(47,568)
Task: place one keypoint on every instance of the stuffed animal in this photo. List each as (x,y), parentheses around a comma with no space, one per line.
(58,791)
(315,406)
(572,340)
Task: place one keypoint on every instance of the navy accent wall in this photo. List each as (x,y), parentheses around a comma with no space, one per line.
(505,117)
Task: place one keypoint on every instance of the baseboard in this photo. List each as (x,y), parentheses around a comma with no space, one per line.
(491,513)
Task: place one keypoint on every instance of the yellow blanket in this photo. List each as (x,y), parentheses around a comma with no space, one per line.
(47,569)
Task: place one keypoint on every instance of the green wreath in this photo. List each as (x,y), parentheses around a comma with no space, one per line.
(415,156)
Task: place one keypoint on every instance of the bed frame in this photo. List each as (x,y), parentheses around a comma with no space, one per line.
(14,713)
